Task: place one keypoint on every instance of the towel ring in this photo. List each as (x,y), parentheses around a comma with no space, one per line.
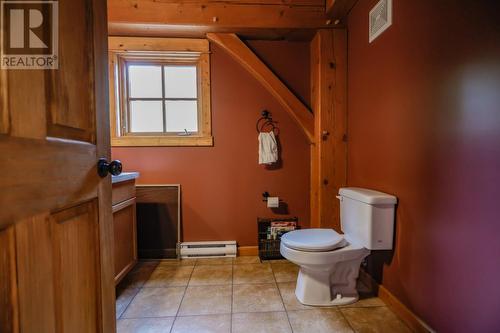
(267,120)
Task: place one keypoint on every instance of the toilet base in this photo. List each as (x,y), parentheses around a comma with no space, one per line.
(318,286)
(336,301)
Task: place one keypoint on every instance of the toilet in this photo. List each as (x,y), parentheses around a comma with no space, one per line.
(329,262)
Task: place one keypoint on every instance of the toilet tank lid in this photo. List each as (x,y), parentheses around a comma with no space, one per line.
(371,197)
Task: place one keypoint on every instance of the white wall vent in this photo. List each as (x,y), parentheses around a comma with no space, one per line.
(380,18)
(208,249)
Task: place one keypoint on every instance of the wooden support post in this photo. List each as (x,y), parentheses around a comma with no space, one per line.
(329,153)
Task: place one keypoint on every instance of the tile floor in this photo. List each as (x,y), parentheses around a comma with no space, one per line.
(238,296)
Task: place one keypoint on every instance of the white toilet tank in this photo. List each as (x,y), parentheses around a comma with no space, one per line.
(367,217)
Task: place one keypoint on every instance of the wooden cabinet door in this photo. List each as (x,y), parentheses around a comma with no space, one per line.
(56,259)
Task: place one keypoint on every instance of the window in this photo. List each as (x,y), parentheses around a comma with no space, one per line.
(160,92)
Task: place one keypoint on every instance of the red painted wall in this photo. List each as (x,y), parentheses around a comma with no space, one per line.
(222,185)
(424,124)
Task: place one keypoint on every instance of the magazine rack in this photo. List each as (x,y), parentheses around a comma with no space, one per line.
(269,249)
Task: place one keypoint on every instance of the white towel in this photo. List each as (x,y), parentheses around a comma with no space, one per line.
(268,148)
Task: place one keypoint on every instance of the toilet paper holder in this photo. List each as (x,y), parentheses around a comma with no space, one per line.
(266,195)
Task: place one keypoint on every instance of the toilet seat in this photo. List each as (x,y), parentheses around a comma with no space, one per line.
(313,240)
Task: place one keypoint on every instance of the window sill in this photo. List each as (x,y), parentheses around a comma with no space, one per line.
(162,141)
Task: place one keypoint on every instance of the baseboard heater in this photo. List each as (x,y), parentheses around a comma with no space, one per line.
(213,249)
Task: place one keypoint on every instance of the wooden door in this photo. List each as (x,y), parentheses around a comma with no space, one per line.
(56,264)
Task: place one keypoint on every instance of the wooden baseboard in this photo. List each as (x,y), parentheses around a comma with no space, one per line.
(412,320)
(124,272)
(245,251)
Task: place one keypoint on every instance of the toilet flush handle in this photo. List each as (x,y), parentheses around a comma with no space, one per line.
(339,197)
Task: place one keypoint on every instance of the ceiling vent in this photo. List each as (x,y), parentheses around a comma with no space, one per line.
(380,18)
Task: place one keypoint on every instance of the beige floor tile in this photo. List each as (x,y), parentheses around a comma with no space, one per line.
(155,302)
(261,322)
(169,276)
(374,320)
(201,300)
(285,272)
(256,298)
(287,290)
(139,274)
(246,260)
(252,273)
(145,325)
(123,298)
(214,261)
(318,320)
(203,324)
(211,275)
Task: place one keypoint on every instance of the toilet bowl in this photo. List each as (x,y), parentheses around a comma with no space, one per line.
(329,262)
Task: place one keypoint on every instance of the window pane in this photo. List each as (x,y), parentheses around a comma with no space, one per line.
(180,81)
(146,116)
(182,115)
(145,81)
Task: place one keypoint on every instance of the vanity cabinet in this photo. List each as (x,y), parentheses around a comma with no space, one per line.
(124,225)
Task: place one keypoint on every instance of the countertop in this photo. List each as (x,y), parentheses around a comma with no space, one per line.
(124,176)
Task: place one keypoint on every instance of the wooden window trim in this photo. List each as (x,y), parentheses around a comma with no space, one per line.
(162,51)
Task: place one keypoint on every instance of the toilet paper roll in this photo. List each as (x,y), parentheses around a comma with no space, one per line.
(273,202)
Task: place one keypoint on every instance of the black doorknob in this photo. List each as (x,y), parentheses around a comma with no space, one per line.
(103,167)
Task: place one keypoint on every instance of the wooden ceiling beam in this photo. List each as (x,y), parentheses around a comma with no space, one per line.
(173,31)
(228,14)
(240,51)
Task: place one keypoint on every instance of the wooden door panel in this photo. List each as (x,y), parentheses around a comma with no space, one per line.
(26,103)
(58,271)
(4,116)
(8,278)
(48,174)
(56,263)
(35,274)
(71,98)
(76,268)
